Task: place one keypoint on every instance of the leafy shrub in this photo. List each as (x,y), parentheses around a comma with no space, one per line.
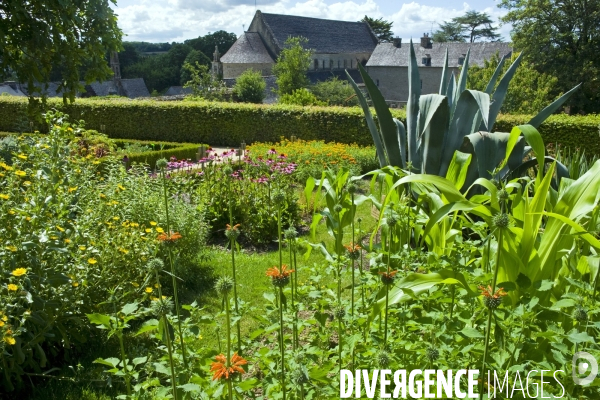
(335,92)
(250,87)
(292,65)
(301,97)
(314,156)
(72,235)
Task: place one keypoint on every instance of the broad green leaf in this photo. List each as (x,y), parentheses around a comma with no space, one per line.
(443,83)
(433,127)
(462,80)
(99,319)
(148,326)
(190,387)
(457,172)
(412,109)
(546,112)
(471,333)
(129,308)
(579,337)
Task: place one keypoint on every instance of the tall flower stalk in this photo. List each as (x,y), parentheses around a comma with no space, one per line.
(224,286)
(161,165)
(280,277)
(387,278)
(290,235)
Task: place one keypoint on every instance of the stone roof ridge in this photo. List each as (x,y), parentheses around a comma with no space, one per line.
(260,15)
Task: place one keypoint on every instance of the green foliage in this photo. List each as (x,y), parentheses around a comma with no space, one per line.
(38,35)
(250,87)
(301,97)
(560,39)
(206,44)
(292,64)
(470,27)
(444,132)
(528,92)
(194,57)
(203,84)
(335,92)
(450,31)
(381,28)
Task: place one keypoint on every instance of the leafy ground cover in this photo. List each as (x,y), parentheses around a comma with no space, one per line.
(395,270)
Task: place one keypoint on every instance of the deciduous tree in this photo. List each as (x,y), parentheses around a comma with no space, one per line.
(292,65)
(381,28)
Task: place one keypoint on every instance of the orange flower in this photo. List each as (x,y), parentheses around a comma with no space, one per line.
(388,278)
(489,292)
(353,251)
(220,370)
(235,227)
(163,237)
(279,277)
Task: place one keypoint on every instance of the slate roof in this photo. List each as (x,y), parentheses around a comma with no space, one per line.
(131,88)
(7,88)
(323,75)
(386,55)
(324,35)
(249,48)
(135,88)
(177,90)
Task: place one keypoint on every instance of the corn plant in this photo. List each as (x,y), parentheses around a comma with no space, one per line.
(456,119)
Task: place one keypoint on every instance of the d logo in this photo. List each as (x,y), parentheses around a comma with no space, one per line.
(588,364)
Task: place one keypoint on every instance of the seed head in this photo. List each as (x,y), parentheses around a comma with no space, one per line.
(290,233)
(280,277)
(338,208)
(162,163)
(227,170)
(382,358)
(299,376)
(224,284)
(432,353)
(352,188)
(580,314)
(232,232)
(156,264)
(492,299)
(279,197)
(162,307)
(502,195)
(392,221)
(388,279)
(501,221)
(339,312)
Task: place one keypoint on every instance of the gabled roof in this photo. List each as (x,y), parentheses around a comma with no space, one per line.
(135,88)
(8,88)
(132,88)
(324,35)
(386,55)
(249,48)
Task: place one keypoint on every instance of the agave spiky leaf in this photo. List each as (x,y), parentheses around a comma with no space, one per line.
(546,112)
(443,83)
(501,91)
(412,109)
(489,89)
(433,128)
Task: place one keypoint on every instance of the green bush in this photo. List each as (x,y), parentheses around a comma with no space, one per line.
(301,97)
(335,92)
(250,87)
(228,124)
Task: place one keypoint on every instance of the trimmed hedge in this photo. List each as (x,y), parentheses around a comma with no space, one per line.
(228,124)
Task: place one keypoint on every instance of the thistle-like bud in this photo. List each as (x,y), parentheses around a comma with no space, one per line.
(162,163)
(432,353)
(299,376)
(290,233)
(156,264)
(580,314)
(339,312)
(338,208)
(279,197)
(224,284)
(162,307)
(352,188)
(501,221)
(359,220)
(227,170)
(382,358)
(392,221)
(492,302)
(502,195)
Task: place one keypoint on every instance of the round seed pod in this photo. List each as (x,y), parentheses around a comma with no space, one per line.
(382,359)
(392,221)
(338,208)
(580,314)
(162,307)
(279,197)
(290,233)
(280,281)
(162,163)
(299,377)
(339,312)
(352,188)
(387,279)
(492,302)
(232,233)
(501,221)
(224,284)
(156,264)
(227,170)
(432,353)
(502,195)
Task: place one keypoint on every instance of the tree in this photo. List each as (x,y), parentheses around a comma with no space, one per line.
(250,87)
(36,35)
(529,91)
(381,28)
(449,32)
(292,64)
(468,28)
(192,58)
(561,38)
(335,92)
(206,44)
(203,84)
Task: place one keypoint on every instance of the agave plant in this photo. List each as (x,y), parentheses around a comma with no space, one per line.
(449,133)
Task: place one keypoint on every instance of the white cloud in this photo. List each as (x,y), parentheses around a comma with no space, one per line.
(177,20)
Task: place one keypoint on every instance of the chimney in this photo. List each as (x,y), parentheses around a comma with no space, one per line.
(426,41)
(397,42)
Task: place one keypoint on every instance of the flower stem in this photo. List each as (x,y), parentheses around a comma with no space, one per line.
(281,342)
(387,289)
(170,350)
(228,364)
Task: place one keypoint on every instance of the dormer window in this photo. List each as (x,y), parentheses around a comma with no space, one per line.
(426,61)
(461,59)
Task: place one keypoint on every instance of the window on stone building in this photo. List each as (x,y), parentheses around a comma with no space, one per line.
(426,61)
(316,64)
(461,59)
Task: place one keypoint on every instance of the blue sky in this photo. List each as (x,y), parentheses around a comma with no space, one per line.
(177,20)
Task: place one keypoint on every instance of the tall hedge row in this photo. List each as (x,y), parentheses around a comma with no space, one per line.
(228,124)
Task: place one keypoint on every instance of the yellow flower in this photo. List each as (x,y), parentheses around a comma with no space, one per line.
(92,261)
(159,230)
(200,337)
(81,248)
(148,230)
(27,183)
(28,218)
(4,318)
(1,323)
(121,187)
(4,196)
(72,189)
(12,287)
(21,173)
(60,229)
(74,284)
(53,237)
(124,251)
(148,289)
(116,218)
(156,285)
(152,223)
(11,248)
(11,212)
(19,272)
(135,284)
(67,241)
(10,340)
(6,167)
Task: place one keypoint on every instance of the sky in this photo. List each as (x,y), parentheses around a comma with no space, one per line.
(177,20)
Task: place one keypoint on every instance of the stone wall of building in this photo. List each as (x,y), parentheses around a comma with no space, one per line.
(235,70)
(393,81)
